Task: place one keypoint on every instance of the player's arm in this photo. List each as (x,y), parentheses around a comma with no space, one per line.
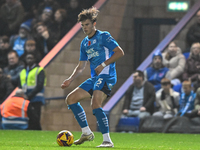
(118,52)
(77,71)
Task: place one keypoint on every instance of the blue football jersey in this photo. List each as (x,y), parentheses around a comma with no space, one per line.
(97,49)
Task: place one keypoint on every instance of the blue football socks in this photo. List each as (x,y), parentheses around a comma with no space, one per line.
(102,120)
(79,114)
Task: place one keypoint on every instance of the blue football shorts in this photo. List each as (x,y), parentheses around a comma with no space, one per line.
(103,83)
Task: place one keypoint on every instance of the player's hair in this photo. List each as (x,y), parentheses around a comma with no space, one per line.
(90,14)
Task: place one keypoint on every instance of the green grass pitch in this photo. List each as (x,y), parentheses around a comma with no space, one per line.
(46,140)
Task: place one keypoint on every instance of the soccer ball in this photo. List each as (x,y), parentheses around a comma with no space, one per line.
(65,138)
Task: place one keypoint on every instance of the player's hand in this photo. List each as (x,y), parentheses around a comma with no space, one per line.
(98,69)
(65,83)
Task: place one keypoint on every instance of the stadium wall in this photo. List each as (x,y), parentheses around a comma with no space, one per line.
(117,17)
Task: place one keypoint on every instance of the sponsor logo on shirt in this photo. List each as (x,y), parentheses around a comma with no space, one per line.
(92,53)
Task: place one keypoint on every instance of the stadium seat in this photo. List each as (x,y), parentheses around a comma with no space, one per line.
(128,124)
(186,54)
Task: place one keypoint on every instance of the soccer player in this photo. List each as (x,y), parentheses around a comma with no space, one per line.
(102,51)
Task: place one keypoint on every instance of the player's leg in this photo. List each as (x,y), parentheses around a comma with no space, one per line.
(101,91)
(102,120)
(72,101)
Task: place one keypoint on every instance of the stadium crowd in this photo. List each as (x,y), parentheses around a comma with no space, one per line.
(175,77)
(28,31)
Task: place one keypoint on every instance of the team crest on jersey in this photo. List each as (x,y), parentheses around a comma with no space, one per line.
(110,86)
(94,41)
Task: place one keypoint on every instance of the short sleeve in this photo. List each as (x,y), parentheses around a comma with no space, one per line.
(108,41)
(83,54)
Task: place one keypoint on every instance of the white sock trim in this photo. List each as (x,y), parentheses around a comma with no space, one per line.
(86,130)
(106,137)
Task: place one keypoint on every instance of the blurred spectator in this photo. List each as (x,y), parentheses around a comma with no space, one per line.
(32,80)
(29,7)
(30,47)
(87,3)
(17,41)
(139,98)
(14,67)
(62,24)
(53,4)
(73,8)
(46,17)
(157,71)
(196,111)
(6,86)
(14,111)
(186,102)
(4,28)
(45,38)
(166,100)
(2,2)
(13,13)
(175,61)
(4,50)
(193,34)
(192,67)
(197,101)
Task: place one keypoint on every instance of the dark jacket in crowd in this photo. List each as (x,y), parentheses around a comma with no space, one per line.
(149,97)
(3,58)
(14,71)
(48,44)
(6,87)
(13,16)
(62,28)
(4,28)
(192,68)
(193,34)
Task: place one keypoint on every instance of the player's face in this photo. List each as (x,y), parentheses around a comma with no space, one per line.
(88,27)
